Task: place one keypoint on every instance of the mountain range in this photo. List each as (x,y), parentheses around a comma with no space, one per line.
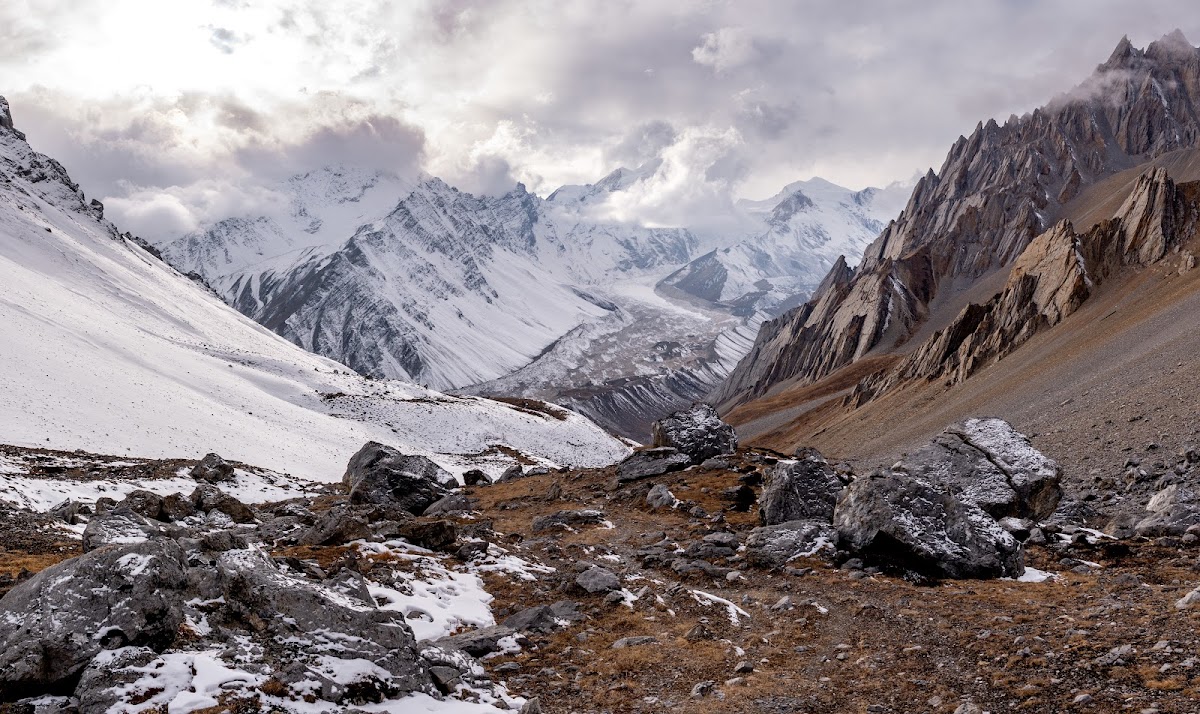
(517,295)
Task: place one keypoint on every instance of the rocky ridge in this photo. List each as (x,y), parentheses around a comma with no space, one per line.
(997,190)
(1049,281)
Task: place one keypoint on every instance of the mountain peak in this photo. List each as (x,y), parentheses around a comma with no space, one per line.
(6,120)
(1172,44)
(1121,55)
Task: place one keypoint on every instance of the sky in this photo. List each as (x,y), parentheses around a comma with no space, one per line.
(183,112)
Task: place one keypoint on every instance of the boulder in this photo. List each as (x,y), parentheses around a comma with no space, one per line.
(212,469)
(60,619)
(807,488)
(651,462)
(475,477)
(906,523)
(774,545)
(660,497)
(382,475)
(534,619)
(431,534)
(698,432)
(324,626)
(598,580)
(478,642)
(338,525)
(452,503)
(145,503)
(209,498)
(987,463)
(1172,511)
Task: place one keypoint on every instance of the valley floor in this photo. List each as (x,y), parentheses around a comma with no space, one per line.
(1096,629)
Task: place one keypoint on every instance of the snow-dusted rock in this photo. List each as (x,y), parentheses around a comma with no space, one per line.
(1172,511)
(568,519)
(806,488)
(56,622)
(382,475)
(774,545)
(118,527)
(904,522)
(698,432)
(991,465)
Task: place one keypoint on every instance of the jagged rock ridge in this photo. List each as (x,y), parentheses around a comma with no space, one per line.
(1050,280)
(996,191)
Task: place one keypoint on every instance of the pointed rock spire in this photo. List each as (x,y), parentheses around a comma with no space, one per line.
(6,121)
(1123,52)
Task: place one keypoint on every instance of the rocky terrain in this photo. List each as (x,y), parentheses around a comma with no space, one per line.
(962,579)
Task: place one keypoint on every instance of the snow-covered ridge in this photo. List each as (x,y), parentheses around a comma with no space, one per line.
(108,349)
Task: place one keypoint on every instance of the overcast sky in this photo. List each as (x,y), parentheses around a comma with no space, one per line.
(178,112)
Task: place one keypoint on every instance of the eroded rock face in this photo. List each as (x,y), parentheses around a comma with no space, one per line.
(1049,281)
(981,211)
(906,523)
(56,622)
(382,475)
(806,488)
(698,432)
(987,463)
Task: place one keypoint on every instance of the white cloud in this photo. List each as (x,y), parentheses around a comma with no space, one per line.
(487,92)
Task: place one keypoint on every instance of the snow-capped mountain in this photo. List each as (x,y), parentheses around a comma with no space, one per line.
(108,349)
(439,286)
(806,227)
(450,290)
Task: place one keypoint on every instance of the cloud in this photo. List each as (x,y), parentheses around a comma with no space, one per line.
(739,97)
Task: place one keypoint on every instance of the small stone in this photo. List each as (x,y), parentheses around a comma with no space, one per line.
(598,580)
(703,689)
(743,668)
(1083,698)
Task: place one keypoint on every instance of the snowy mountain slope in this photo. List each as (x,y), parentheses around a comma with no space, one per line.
(806,227)
(107,349)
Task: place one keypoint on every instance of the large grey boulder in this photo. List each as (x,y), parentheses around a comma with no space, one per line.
(568,519)
(991,465)
(338,525)
(806,488)
(56,622)
(208,499)
(651,462)
(698,432)
(906,523)
(775,545)
(382,475)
